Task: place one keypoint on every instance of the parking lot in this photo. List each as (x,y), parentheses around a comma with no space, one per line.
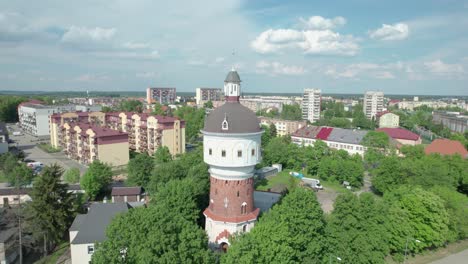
(28,144)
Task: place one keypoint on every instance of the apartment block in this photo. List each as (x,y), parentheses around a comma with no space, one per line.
(85,143)
(203,95)
(311,102)
(34,117)
(283,127)
(161,95)
(145,132)
(373,103)
(452,120)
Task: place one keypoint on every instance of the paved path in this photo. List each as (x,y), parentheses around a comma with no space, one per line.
(458,258)
(28,143)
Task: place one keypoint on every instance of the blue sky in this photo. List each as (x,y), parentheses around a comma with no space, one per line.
(399,47)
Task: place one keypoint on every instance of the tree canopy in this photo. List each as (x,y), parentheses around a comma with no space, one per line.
(139,169)
(96,178)
(291,232)
(131,106)
(72,175)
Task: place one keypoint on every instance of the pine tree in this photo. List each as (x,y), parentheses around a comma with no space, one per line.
(52,207)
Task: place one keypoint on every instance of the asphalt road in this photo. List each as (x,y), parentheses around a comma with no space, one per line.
(459,258)
(28,143)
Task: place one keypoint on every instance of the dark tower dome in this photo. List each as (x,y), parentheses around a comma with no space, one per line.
(233,77)
(239,119)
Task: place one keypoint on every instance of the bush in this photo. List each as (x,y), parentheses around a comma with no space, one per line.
(48,148)
(72,175)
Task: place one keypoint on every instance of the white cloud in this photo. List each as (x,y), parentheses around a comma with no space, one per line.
(359,70)
(276,68)
(309,41)
(321,23)
(396,31)
(83,34)
(135,45)
(438,67)
(91,78)
(147,75)
(219,59)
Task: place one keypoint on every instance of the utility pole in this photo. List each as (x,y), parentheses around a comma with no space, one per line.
(19,220)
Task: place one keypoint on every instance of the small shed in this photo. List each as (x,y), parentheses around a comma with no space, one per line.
(127,194)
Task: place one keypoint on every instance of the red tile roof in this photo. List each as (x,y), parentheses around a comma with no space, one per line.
(324,133)
(446,147)
(307,132)
(399,133)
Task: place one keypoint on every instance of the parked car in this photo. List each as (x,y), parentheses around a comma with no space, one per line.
(35,164)
(17,133)
(313,183)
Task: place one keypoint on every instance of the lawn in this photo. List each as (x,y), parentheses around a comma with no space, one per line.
(53,257)
(48,148)
(280,180)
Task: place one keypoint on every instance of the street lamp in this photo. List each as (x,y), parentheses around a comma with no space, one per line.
(330,258)
(406,247)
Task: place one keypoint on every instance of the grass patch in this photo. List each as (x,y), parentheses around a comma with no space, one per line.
(429,256)
(48,148)
(280,180)
(53,257)
(335,186)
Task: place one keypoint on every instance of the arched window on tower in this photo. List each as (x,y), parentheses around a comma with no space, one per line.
(244,208)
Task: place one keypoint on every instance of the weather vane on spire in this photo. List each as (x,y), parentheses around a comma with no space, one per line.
(233,54)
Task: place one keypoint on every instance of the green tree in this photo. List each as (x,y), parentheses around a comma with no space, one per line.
(291,112)
(20,176)
(291,232)
(266,136)
(72,175)
(106,109)
(131,106)
(416,214)
(165,232)
(456,205)
(208,104)
(277,151)
(52,208)
(376,139)
(194,120)
(356,229)
(140,169)
(389,175)
(162,155)
(273,131)
(413,151)
(96,178)
(158,109)
(9,107)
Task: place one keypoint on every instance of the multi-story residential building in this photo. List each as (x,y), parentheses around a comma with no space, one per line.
(34,117)
(256,103)
(311,105)
(410,105)
(452,120)
(85,143)
(336,138)
(146,133)
(283,127)
(203,95)
(373,103)
(388,119)
(161,95)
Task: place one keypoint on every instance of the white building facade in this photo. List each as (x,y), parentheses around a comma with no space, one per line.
(373,103)
(311,103)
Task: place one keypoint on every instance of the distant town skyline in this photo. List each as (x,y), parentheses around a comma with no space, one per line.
(348,47)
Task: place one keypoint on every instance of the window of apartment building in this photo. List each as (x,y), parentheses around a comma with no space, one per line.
(90,249)
(239,153)
(223,153)
(210,152)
